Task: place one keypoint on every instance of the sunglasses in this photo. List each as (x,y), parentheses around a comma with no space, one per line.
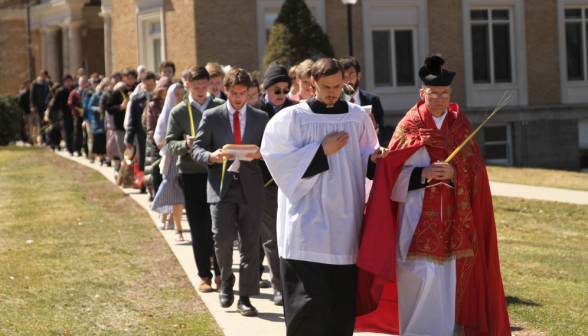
(286,91)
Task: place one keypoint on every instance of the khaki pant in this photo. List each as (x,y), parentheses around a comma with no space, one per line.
(33,127)
(90,138)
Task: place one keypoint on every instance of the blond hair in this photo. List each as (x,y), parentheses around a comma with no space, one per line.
(215,70)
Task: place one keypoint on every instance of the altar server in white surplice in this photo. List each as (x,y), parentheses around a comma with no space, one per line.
(319,153)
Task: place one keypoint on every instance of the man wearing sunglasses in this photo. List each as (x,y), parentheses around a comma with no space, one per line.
(277,85)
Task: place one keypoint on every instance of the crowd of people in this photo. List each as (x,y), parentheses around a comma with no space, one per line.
(298,197)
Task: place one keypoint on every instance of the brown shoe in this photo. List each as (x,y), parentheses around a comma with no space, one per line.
(205,285)
(218,282)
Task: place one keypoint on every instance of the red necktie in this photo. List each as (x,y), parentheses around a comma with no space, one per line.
(352,100)
(237,128)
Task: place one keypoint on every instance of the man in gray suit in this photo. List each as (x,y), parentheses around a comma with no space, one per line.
(242,196)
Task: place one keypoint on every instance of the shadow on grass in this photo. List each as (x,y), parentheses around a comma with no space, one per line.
(513,300)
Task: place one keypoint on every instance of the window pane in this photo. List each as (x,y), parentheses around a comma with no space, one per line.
(480,53)
(500,14)
(382,58)
(496,152)
(501,37)
(574,51)
(495,133)
(479,15)
(156,28)
(157,52)
(404,57)
(573,13)
(584,159)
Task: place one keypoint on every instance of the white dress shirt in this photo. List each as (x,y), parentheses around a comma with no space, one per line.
(242,117)
(355,96)
(202,107)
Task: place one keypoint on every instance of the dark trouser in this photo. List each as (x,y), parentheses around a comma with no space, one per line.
(155,170)
(68,129)
(198,213)
(141,143)
(233,208)
(269,238)
(78,134)
(319,299)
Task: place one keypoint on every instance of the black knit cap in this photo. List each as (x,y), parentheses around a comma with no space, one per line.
(433,74)
(276,73)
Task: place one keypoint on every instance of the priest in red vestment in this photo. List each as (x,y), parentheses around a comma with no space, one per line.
(428,261)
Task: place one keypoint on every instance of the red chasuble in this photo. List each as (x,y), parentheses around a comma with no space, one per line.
(466,234)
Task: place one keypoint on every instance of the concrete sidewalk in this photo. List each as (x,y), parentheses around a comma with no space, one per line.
(269,321)
(539,193)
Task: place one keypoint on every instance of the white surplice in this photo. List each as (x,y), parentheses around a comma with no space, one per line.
(319,218)
(426,291)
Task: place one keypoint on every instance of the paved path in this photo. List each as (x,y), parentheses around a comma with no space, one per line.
(539,193)
(270,321)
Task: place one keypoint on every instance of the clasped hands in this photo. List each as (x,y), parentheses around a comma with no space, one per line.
(333,143)
(438,171)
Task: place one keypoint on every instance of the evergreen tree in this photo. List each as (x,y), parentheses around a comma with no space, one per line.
(305,38)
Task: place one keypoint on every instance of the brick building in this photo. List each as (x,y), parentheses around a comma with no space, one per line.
(535,50)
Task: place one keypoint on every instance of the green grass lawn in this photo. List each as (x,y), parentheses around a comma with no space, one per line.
(539,177)
(544,261)
(79,257)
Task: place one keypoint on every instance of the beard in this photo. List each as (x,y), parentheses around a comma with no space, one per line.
(354,86)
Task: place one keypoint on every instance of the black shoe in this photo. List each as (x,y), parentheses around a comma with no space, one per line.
(245,307)
(108,164)
(143,190)
(226,296)
(71,154)
(278,299)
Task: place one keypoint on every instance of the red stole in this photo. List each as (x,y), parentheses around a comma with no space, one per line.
(471,237)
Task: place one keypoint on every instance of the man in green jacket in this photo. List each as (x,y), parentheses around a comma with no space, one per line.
(184,120)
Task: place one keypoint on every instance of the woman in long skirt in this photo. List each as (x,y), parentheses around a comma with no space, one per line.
(169,197)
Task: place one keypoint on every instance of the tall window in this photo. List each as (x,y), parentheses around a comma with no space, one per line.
(583,143)
(497,144)
(154,45)
(492,45)
(576,30)
(393,51)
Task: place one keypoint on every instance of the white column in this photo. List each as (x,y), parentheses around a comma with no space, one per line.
(75,46)
(65,51)
(107,45)
(50,53)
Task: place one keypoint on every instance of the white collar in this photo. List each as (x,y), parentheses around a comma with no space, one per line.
(195,103)
(232,110)
(355,97)
(439,120)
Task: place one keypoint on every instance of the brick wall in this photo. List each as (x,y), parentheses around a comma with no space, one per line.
(446,37)
(180,34)
(542,52)
(336,17)
(124,34)
(93,50)
(14,57)
(226,33)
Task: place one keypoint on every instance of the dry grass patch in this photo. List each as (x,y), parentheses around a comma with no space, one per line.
(79,257)
(544,263)
(539,177)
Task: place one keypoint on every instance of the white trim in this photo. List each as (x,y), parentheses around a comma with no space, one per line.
(261,5)
(393,15)
(149,11)
(571,91)
(481,95)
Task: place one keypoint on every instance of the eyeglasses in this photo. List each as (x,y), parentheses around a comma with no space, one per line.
(437,95)
(286,91)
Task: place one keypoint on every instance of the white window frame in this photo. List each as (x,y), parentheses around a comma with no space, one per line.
(415,59)
(149,12)
(508,143)
(490,21)
(572,92)
(489,94)
(400,97)
(261,5)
